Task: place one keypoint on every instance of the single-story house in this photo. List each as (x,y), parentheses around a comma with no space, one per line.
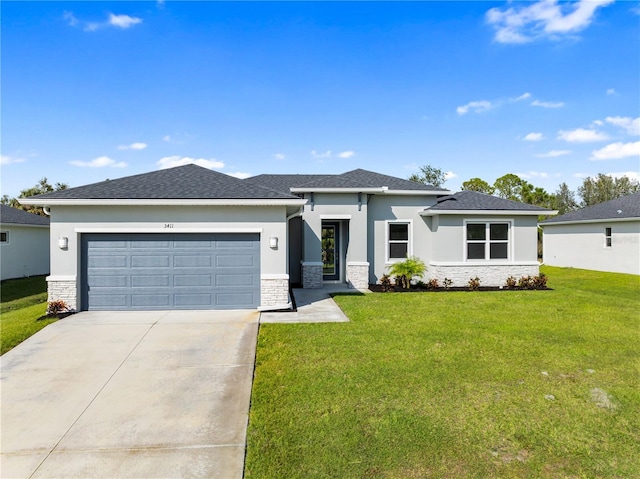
(24,243)
(603,237)
(192,238)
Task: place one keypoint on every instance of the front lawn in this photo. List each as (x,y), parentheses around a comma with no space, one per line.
(22,302)
(462,384)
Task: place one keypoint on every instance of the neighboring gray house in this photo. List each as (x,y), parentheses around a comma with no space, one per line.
(24,243)
(192,238)
(604,237)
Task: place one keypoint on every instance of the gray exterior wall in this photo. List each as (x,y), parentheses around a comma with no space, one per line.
(26,253)
(72,221)
(583,246)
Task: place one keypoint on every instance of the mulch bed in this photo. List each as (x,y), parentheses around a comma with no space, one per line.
(377,288)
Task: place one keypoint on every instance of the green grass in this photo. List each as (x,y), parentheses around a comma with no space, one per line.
(491,384)
(23,302)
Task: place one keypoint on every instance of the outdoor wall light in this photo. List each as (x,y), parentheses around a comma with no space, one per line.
(63,242)
(273,242)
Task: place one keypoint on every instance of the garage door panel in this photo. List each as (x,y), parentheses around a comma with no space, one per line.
(170,271)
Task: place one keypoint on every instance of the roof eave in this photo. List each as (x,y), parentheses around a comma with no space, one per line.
(373,191)
(166,202)
(431,212)
(598,220)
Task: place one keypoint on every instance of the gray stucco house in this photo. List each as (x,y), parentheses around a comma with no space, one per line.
(192,238)
(24,243)
(603,237)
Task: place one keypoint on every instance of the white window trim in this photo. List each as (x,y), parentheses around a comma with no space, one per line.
(610,237)
(487,241)
(8,237)
(386,239)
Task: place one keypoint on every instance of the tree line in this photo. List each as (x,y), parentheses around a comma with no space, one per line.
(592,191)
(40,188)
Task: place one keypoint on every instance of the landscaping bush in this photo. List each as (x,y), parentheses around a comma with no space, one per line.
(405,271)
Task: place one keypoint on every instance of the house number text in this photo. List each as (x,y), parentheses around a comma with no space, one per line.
(168,225)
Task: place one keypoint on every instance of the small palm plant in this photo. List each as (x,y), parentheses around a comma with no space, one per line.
(405,271)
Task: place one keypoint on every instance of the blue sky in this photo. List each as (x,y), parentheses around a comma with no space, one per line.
(543,89)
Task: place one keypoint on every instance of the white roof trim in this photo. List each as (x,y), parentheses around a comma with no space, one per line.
(175,229)
(603,220)
(429,212)
(4,225)
(384,190)
(164,202)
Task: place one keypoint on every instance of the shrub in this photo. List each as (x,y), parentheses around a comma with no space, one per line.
(446,283)
(405,271)
(540,282)
(385,282)
(525,283)
(474,284)
(433,284)
(511,282)
(54,308)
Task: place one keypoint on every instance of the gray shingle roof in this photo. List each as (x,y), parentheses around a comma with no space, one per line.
(473,200)
(182,182)
(9,215)
(351,179)
(625,207)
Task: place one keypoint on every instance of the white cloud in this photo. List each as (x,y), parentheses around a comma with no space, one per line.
(548,104)
(616,151)
(533,136)
(240,174)
(100,162)
(611,91)
(8,160)
(533,174)
(450,174)
(524,96)
(542,19)
(279,156)
(630,124)
(123,21)
(172,161)
(166,138)
(346,154)
(597,123)
(475,107)
(581,135)
(133,146)
(553,154)
(632,175)
(326,154)
(118,21)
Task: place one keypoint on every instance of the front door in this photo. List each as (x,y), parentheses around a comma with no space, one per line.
(330,251)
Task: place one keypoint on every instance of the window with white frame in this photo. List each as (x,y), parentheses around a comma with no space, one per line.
(607,237)
(4,237)
(487,240)
(398,240)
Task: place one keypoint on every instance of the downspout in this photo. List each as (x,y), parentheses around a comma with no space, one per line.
(47,210)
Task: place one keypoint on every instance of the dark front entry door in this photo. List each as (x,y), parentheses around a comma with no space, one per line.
(330,251)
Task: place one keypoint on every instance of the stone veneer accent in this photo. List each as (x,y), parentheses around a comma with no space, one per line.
(358,275)
(312,275)
(489,274)
(63,289)
(274,292)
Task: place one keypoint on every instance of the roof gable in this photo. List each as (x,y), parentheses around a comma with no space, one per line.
(475,201)
(9,215)
(182,182)
(620,208)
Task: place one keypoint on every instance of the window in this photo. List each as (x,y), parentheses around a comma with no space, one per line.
(487,241)
(607,237)
(4,237)
(398,241)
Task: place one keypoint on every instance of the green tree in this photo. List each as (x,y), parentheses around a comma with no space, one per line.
(405,271)
(564,200)
(509,187)
(430,175)
(479,185)
(604,188)
(40,188)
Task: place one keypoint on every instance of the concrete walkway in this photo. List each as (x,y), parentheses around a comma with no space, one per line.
(313,306)
(129,395)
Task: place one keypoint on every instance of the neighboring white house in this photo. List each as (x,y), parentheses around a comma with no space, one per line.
(24,243)
(192,238)
(604,237)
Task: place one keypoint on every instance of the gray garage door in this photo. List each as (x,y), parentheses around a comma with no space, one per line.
(170,271)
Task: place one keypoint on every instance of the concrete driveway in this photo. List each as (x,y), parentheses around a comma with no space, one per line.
(130,395)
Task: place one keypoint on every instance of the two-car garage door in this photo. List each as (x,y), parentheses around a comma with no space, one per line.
(170,271)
